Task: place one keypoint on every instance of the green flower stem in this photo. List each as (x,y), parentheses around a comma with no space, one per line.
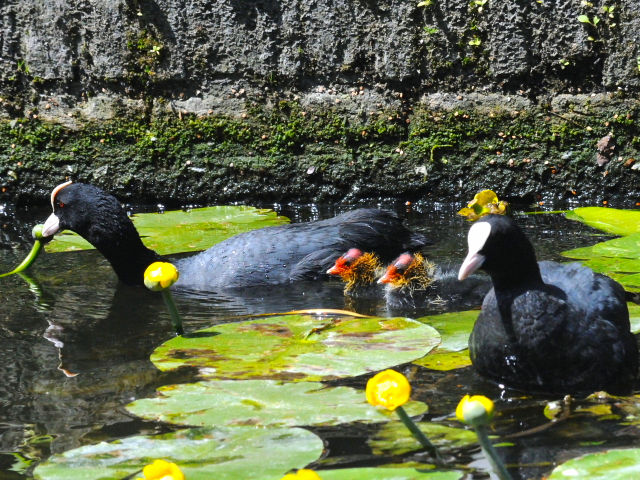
(176,321)
(33,254)
(490,452)
(418,434)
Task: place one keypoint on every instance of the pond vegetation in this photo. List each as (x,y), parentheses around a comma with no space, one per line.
(239,385)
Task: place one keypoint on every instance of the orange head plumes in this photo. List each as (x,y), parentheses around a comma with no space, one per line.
(410,271)
(356,268)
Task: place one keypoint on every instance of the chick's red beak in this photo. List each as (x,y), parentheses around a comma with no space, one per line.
(390,275)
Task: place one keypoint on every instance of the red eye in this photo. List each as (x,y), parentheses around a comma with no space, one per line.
(60,204)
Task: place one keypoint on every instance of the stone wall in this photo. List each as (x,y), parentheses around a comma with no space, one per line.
(81,62)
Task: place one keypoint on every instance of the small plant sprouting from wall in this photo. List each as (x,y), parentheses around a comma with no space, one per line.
(598,25)
(146,53)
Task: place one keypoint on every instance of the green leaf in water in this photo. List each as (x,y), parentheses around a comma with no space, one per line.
(610,220)
(634,317)
(444,360)
(618,464)
(299,347)
(618,258)
(201,453)
(454,328)
(390,473)
(261,403)
(394,439)
(184,231)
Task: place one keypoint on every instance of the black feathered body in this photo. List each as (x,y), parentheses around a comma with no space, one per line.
(268,256)
(300,251)
(568,334)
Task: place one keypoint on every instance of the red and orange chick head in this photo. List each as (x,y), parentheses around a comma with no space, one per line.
(409,270)
(356,268)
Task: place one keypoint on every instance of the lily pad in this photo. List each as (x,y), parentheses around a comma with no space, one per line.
(300,347)
(179,231)
(394,438)
(618,258)
(610,220)
(634,317)
(261,403)
(454,328)
(615,464)
(202,454)
(389,473)
(445,360)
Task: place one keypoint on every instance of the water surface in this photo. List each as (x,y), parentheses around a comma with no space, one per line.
(75,348)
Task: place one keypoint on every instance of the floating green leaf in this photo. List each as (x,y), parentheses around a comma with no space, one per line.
(394,439)
(618,258)
(445,360)
(390,473)
(201,453)
(616,464)
(184,231)
(610,220)
(454,328)
(299,347)
(634,317)
(261,403)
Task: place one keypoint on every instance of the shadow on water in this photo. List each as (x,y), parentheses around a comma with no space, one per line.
(75,347)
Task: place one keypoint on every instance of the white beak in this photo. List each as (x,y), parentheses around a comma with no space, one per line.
(51,226)
(473,262)
(477,237)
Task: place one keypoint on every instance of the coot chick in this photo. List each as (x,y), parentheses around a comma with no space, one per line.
(412,281)
(359,271)
(267,256)
(551,327)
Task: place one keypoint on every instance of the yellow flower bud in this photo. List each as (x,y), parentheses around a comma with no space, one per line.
(389,389)
(302,474)
(474,410)
(162,470)
(160,275)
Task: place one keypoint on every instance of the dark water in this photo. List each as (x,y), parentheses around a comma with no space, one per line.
(74,349)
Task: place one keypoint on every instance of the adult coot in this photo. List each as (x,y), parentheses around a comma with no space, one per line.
(268,256)
(546,326)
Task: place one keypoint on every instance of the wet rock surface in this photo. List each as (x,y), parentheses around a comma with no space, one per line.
(71,72)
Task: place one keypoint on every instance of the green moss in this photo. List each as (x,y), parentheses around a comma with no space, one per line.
(270,154)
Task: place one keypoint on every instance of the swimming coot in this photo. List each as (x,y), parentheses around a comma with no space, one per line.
(546,326)
(267,256)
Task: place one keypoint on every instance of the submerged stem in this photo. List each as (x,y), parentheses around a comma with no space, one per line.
(418,434)
(176,321)
(490,452)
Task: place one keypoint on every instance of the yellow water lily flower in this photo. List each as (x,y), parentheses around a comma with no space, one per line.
(162,470)
(476,409)
(389,389)
(160,275)
(302,474)
(484,203)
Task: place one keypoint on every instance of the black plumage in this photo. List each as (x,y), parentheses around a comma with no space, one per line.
(268,256)
(546,326)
